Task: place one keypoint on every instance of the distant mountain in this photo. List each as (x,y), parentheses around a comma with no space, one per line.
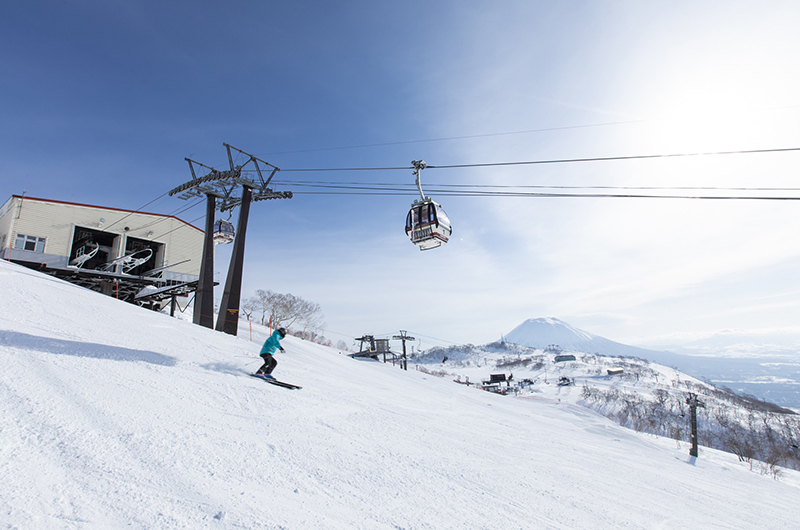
(770,378)
(543,332)
(639,394)
(753,343)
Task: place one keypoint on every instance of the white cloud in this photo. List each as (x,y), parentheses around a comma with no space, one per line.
(700,85)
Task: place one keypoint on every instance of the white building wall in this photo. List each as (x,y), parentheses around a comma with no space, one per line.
(7,214)
(56,221)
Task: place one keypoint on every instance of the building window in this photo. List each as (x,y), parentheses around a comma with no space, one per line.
(33,243)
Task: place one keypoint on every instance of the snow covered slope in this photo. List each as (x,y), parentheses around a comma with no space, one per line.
(117,417)
(770,371)
(633,392)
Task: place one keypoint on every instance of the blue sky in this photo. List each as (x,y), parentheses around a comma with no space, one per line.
(101,102)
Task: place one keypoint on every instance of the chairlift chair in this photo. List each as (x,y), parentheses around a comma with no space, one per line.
(83,255)
(223,232)
(427,224)
(131,261)
(128,262)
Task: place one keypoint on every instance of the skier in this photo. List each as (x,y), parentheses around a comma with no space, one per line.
(273,343)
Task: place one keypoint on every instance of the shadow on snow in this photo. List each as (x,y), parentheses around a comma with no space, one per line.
(81,349)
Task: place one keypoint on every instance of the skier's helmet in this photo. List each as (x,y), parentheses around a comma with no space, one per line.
(282,331)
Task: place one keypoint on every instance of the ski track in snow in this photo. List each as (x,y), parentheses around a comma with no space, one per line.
(118,417)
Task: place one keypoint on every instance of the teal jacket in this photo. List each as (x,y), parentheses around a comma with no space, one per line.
(272,343)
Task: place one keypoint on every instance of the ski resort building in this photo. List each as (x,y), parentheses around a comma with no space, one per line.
(136,256)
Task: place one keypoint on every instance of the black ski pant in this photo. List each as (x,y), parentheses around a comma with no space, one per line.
(269,364)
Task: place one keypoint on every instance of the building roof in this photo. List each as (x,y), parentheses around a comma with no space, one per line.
(25,197)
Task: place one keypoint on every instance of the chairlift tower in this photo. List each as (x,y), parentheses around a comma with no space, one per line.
(404,337)
(693,403)
(225,190)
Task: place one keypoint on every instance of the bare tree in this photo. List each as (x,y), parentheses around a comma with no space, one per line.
(311,318)
(249,306)
(287,310)
(265,299)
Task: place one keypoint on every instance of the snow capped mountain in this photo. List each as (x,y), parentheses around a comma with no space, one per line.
(543,332)
(113,416)
(770,371)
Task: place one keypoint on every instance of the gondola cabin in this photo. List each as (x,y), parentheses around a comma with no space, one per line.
(427,225)
(223,232)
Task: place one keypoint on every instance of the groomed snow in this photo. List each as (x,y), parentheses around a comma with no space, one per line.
(117,417)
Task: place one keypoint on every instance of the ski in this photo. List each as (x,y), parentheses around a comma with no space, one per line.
(277,383)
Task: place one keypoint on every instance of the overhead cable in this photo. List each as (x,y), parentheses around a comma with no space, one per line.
(507,133)
(180,226)
(609,158)
(412,187)
(467,193)
(135,211)
(463,137)
(556,161)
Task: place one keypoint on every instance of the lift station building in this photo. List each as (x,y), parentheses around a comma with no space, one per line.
(125,253)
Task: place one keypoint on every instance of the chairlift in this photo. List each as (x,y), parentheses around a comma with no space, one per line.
(223,232)
(131,261)
(128,262)
(427,224)
(83,255)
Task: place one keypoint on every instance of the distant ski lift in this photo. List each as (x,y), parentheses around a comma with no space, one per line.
(427,224)
(223,232)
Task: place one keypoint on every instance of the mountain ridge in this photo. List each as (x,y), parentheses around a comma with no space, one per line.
(770,378)
(550,331)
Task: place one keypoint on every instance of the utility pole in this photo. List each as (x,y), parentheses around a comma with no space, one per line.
(404,338)
(693,403)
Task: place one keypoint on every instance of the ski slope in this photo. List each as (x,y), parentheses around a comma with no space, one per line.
(118,417)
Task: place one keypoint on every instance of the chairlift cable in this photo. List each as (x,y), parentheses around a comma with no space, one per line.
(463,137)
(416,334)
(557,161)
(173,213)
(180,226)
(552,195)
(374,185)
(507,133)
(346,169)
(368,190)
(137,210)
(612,158)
